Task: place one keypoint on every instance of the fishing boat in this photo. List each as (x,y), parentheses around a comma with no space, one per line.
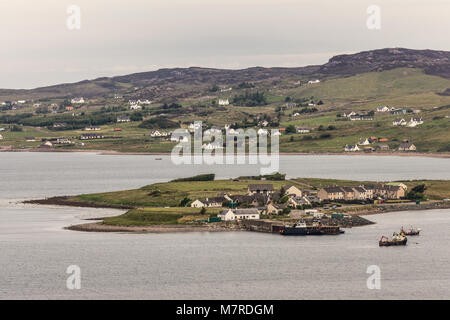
(410,231)
(397,240)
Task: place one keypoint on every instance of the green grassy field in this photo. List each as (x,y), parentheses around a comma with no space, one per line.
(159,216)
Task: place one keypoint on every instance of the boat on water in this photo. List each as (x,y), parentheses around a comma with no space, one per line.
(301,229)
(410,231)
(397,240)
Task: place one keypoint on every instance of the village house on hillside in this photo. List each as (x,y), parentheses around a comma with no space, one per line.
(123,118)
(398,111)
(92,128)
(407,146)
(364,142)
(239,214)
(266,189)
(79,100)
(383,109)
(293,190)
(213,202)
(399,122)
(303,130)
(91,136)
(274,208)
(59,125)
(135,107)
(414,122)
(351,148)
(331,193)
(156,133)
(224,102)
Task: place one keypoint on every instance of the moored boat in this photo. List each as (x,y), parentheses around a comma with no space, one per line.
(397,240)
(410,231)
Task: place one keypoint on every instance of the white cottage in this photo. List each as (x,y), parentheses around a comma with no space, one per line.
(239,214)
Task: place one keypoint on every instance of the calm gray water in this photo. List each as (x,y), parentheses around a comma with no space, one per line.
(35,250)
(31,175)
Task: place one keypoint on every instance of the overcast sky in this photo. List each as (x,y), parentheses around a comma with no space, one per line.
(121,37)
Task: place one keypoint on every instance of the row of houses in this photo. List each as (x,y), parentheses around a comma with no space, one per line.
(262,198)
(404,147)
(363,192)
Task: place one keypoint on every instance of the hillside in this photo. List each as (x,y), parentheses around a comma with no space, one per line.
(432,61)
(415,81)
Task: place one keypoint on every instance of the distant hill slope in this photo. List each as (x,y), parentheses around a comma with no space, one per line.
(433,62)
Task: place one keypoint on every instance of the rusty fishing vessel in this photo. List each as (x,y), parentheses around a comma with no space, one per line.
(397,240)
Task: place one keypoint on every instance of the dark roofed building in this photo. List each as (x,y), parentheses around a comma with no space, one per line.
(265,189)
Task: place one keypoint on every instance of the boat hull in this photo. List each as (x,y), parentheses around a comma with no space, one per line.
(393,243)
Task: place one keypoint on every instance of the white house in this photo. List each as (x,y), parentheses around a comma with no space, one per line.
(1,137)
(135,107)
(145,101)
(303,130)
(277,133)
(399,122)
(239,214)
(414,122)
(77,100)
(21,101)
(313,81)
(223,102)
(156,133)
(351,148)
(364,142)
(350,114)
(383,109)
(262,132)
(215,202)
